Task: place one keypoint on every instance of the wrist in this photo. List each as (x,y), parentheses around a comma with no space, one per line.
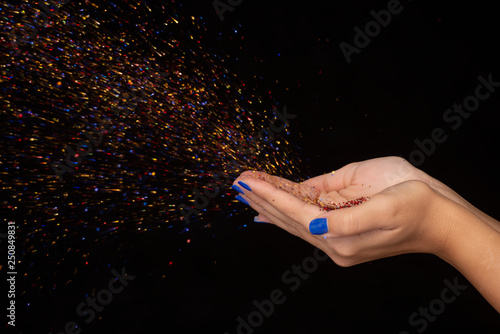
(473,247)
(440,234)
(460,229)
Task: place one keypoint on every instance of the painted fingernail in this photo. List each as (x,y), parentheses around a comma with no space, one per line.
(244,185)
(242,200)
(318,226)
(258,221)
(235,187)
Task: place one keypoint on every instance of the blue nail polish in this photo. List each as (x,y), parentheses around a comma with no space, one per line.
(318,226)
(244,185)
(235,187)
(242,200)
(258,221)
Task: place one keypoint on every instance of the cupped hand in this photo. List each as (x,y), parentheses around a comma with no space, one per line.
(402,218)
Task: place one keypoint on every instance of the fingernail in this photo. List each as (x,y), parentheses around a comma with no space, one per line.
(235,187)
(318,226)
(244,185)
(242,200)
(258,221)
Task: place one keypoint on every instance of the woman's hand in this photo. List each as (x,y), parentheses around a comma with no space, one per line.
(404,218)
(366,178)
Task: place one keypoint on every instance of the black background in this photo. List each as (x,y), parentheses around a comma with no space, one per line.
(394,92)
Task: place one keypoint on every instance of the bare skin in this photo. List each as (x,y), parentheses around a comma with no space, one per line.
(408,212)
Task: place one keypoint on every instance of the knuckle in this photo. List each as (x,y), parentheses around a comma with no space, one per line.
(349,225)
(346,250)
(342,262)
(389,207)
(420,186)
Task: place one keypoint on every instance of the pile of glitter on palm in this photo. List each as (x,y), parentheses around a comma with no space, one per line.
(308,194)
(329,205)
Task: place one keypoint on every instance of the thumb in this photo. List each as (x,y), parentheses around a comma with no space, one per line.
(366,217)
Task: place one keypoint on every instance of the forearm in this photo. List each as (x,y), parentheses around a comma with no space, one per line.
(487,219)
(473,247)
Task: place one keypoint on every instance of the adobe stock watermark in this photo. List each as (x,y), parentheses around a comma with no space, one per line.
(372,29)
(293,279)
(222,6)
(212,190)
(39,21)
(453,116)
(88,308)
(421,318)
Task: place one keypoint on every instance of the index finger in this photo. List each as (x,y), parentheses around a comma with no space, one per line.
(277,201)
(305,193)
